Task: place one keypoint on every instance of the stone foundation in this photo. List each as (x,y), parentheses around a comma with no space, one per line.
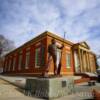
(49,87)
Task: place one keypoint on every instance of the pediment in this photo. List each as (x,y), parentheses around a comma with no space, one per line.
(84,44)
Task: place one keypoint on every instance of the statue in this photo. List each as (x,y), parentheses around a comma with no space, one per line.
(52,50)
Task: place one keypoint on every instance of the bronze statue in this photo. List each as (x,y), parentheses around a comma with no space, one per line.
(52,50)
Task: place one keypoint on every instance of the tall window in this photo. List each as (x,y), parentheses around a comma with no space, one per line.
(20,62)
(27,60)
(9,65)
(40,56)
(14,63)
(5,65)
(58,56)
(37,57)
(68,60)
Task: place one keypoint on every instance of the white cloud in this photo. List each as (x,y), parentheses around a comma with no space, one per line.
(21,20)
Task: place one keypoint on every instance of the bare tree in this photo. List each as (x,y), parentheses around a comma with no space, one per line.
(6,45)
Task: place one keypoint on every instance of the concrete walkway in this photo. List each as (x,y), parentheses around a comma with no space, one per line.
(18,81)
(11,92)
(82,91)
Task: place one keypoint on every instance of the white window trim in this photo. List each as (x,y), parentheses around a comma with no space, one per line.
(9,65)
(14,63)
(5,66)
(27,60)
(36,59)
(67,54)
(20,62)
(58,57)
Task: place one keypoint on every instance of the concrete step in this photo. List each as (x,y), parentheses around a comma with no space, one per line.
(81,80)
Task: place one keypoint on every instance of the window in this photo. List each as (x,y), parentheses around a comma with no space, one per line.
(14,63)
(40,56)
(37,58)
(20,62)
(5,65)
(9,65)
(68,60)
(27,60)
(58,56)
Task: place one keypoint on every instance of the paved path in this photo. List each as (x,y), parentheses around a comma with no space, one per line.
(18,81)
(11,92)
(8,90)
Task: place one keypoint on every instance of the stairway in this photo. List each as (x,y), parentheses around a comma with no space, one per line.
(81,80)
(85,77)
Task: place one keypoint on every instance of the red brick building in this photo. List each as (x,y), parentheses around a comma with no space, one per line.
(31,58)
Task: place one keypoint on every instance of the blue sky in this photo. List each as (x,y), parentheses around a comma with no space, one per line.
(21,20)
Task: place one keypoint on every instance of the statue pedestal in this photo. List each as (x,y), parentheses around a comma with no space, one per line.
(49,87)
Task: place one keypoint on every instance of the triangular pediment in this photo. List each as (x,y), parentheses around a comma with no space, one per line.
(84,44)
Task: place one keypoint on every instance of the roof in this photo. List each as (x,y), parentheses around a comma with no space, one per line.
(46,33)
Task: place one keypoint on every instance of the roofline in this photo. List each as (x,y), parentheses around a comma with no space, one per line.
(59,38)
(30,41)
(46,33)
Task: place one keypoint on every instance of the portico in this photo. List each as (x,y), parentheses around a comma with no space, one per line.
(83,58)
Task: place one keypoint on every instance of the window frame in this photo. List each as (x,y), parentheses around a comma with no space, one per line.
(19,61)
(68,60)
(27,60)
(9,64)
(14,63)
(6,62)
(36,62)
(58,57)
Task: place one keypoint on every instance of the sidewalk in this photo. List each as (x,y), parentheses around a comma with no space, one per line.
(11,92)
(82,91)
(18,81)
